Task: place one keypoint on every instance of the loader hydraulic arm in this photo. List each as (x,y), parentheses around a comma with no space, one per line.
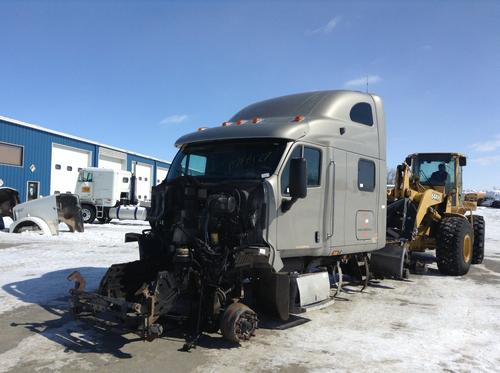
(402,187)
(422,198)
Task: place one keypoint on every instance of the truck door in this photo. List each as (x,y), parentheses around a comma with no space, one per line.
(361,200)
(301,227)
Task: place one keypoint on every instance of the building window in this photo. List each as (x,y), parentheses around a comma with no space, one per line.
(140,177)
(79,169)
(362,113)
(69,168)
(11,154)
(145,179)
(125,180)
(366,175)
(58,167)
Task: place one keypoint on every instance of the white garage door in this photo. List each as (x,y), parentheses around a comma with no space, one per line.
(143,173)
(161,174)
(112,159)
(65,165)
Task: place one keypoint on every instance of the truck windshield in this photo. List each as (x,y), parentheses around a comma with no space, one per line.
(222,160)
(84,176)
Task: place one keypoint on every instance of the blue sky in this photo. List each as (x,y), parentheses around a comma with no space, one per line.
(140,74)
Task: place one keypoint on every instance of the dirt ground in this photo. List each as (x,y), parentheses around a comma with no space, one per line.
(430,322)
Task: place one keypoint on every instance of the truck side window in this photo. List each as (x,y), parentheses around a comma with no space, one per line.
(366,175)
(313,158)
(362,113)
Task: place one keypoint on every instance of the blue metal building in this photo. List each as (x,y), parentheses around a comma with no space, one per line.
(37,161)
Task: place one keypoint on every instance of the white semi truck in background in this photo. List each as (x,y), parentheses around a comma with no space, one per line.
(107,194)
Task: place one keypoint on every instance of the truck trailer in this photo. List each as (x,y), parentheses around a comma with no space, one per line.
(253,217)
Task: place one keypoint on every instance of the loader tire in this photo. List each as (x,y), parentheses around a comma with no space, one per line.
(478,248)
(88,213)
(454,246)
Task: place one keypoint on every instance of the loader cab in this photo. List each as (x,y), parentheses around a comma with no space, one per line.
(439,171)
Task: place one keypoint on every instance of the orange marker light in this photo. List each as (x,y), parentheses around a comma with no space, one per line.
(256,120)
(298,118)
(240,122)
(226,124)
(202,129)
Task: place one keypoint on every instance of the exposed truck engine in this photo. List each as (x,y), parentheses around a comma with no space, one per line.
(254,216)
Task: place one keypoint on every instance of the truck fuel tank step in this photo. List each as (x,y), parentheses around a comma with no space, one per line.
(309,291)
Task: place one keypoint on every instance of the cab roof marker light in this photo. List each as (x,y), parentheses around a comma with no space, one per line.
(226,124)
(256,120)
(298,118)
(202,129)
(240,122)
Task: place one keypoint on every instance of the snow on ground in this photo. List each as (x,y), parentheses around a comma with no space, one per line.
(431,322)
(29,255)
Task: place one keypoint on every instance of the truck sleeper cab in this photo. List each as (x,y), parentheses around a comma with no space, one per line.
(341,136)
(108,194)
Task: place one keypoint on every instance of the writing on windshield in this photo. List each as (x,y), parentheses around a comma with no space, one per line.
(252,159)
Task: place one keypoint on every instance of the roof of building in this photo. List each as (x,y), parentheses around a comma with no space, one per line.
(43,129)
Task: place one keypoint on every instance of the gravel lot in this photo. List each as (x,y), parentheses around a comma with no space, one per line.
(428,323)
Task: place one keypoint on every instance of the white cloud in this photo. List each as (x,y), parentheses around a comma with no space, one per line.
(328,28)
(176,118)
(486,161)
(372,79)
(487,146)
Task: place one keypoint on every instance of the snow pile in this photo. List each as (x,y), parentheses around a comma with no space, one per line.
(34,268)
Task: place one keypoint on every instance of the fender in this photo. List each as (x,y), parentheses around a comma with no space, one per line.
(44,227)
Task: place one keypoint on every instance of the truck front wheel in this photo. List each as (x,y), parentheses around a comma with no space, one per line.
(88,213)
(454,249)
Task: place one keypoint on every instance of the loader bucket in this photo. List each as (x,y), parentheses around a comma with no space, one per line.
(390,262)
(70,211)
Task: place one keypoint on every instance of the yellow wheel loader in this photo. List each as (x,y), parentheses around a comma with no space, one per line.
(426,210)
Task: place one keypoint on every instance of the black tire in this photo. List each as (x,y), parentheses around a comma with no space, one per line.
(479,229)
(454,246)
(88,213)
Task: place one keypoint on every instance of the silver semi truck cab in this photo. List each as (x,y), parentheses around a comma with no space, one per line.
(253,212)
(341,137)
